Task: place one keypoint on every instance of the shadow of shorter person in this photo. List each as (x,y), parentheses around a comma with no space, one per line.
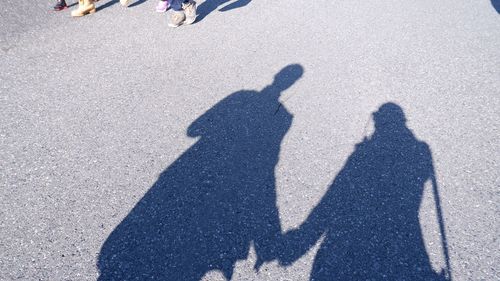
(214,201)
(209,6)
(369,215)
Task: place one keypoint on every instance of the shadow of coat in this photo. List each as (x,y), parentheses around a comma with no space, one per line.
(369,215)
(215,200)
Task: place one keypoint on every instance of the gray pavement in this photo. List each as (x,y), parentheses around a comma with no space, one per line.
(94,137)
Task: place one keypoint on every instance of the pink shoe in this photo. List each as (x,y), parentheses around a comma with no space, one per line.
(162,6)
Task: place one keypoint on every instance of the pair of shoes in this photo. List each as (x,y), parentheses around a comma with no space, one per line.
(60,5)
(186,16)
(125,3)
(84,7)
(162,6)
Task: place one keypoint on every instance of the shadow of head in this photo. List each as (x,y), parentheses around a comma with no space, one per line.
(287,77)
(388,117)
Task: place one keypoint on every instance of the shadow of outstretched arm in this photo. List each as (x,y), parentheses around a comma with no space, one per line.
(296,242)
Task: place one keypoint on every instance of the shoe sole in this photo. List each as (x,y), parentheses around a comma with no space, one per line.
(191,21)
(183,23)
(57,10)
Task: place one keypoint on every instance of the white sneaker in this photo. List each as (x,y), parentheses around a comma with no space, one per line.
(177,18)
(190,11)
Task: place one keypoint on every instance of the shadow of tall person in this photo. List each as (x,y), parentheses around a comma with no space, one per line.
(369,215)
(215,200)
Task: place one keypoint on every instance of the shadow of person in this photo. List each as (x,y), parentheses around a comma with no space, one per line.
(214,201)
(209,6)
(369,215)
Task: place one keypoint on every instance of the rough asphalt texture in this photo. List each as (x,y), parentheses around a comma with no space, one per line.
(94,109)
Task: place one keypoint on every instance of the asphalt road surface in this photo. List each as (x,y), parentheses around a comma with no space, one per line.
(270,140)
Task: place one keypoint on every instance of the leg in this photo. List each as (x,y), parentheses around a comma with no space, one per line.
(177,5)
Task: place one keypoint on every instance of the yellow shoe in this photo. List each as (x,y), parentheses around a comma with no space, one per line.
(84,7)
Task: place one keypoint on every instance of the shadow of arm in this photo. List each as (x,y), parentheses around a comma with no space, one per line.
(296,242)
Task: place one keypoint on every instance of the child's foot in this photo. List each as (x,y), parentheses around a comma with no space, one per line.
(190,10)
(162,6)
(176,19)
(60,5)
